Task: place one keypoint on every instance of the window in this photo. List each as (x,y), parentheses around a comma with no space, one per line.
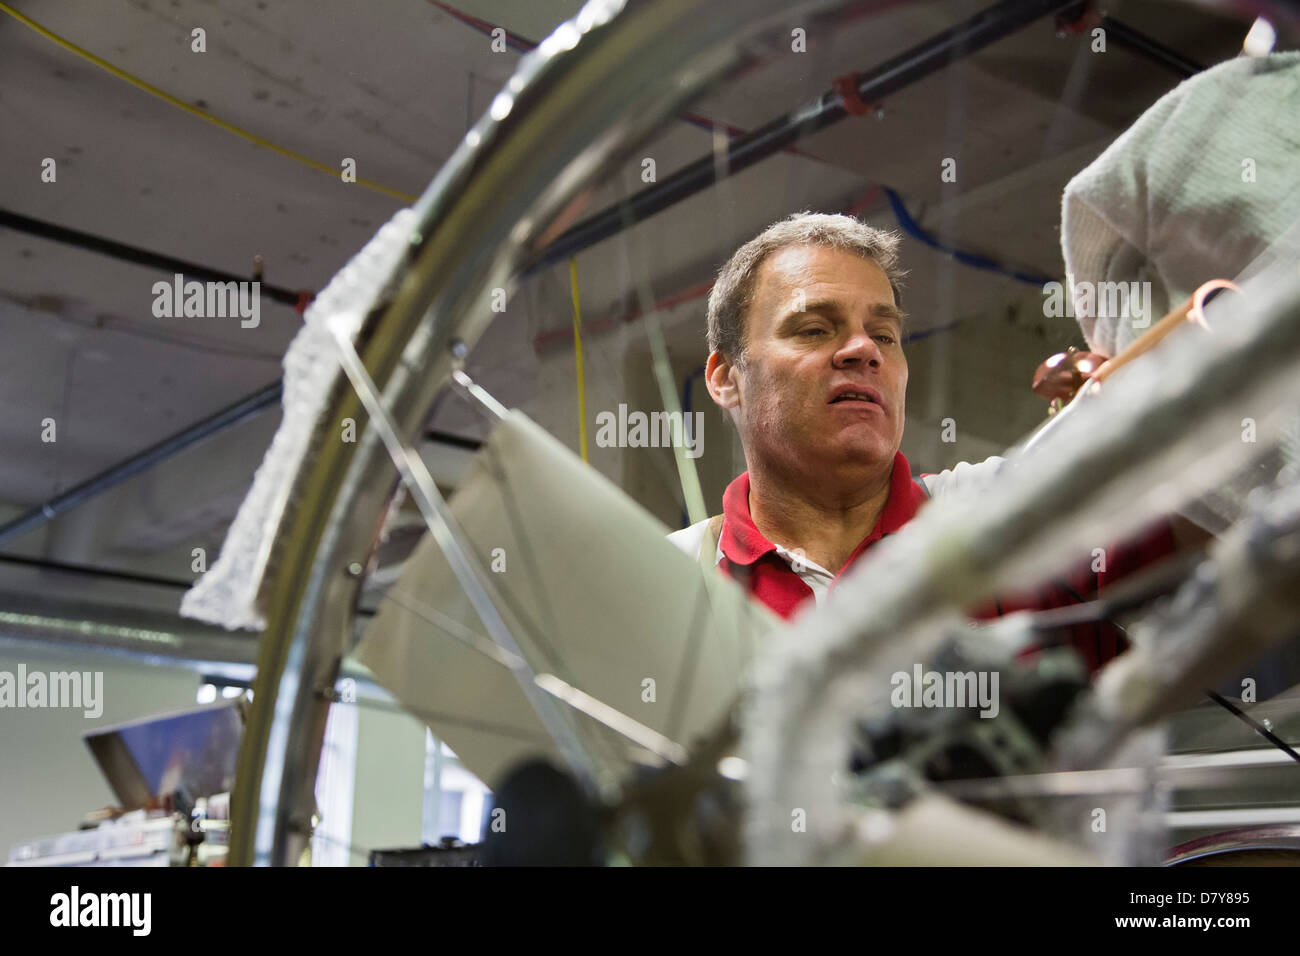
(456,803)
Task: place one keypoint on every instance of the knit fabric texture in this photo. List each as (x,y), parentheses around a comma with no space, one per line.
(1206,184)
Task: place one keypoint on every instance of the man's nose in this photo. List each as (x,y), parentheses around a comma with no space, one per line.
(860,348)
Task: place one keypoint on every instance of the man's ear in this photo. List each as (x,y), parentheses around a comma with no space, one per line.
(721,377)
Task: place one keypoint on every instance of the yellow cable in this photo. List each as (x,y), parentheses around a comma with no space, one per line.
(577,354)
(167,97)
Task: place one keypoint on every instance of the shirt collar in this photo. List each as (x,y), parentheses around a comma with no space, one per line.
(742,543)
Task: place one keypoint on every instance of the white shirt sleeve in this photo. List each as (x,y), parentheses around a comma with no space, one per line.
(690,539)
(963,478)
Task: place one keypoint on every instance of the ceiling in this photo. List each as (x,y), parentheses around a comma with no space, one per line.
(393,85)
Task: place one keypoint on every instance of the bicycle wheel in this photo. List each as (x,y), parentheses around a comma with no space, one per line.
(595,87)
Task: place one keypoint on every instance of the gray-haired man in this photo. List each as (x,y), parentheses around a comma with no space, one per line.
(805,334)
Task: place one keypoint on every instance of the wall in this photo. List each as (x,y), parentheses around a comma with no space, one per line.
(388,804)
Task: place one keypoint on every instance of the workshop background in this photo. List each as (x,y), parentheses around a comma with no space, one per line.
(394,85)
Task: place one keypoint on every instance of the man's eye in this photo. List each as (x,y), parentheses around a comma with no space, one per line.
(813,331)
(886,339)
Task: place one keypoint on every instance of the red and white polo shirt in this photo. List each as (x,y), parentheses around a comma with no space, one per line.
(784,580)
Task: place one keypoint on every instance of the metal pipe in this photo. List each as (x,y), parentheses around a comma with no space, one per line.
(141,461)
(144,636)
(45,627)
(46,565)
(1152,49)
(136,255)
(930,56)
(106,574)
(111,477)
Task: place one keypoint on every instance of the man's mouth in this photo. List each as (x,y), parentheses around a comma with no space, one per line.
(855,394)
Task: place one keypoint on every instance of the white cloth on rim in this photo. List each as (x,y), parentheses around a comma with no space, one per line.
(1199,187)
(228,594)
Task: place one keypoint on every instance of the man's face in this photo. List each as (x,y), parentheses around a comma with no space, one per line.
(823,322)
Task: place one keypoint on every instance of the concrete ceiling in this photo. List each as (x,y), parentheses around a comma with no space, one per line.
(393,84)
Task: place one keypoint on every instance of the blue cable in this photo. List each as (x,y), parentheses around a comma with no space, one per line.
(972,259)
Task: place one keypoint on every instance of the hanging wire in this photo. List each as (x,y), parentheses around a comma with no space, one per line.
(195,111)
(577,359)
